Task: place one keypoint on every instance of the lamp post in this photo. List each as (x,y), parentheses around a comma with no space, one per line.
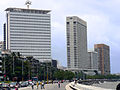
(37,70)
(47,74)
(13,64)
(4,68)
(44,72)
(29,70)
(4,65)
(22,68)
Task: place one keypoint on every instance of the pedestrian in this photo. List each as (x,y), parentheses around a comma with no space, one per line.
(8,87)
(37,85)
(16,88)
(32,85)
(118,87)
(74,83)
(59,84)
(43,85)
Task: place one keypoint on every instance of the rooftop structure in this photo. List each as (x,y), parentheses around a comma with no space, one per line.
(23,10)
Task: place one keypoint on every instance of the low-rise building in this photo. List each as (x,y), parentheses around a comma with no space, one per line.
(54,63)
(35,64)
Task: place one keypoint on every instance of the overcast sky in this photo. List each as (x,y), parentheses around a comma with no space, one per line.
(102,17)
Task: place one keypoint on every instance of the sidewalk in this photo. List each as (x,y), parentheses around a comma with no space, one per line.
(85,87)
(47,87)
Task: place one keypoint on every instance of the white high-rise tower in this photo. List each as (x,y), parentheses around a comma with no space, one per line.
(77,56)
(28,31)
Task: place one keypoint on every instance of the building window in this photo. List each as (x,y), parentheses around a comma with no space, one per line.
(74,22)
(67,22)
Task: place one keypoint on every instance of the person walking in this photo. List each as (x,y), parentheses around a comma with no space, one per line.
(74,83)
(58,84)
(43,85)
(118,87)
(37,85)
(32,85)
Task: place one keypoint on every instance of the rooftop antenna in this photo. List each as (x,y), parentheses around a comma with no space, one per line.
(28,3)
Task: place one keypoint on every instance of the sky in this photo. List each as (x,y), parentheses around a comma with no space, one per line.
(102,17)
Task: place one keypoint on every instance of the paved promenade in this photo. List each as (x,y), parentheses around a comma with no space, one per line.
(47,87)
(85,87)
(109,85)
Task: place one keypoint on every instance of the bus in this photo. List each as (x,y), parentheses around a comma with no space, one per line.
(34,78)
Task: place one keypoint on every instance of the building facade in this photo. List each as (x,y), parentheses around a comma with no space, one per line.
(93,59)
(77,56)
(1,45)
(54,63)
(103,58)
(1,75)
(28,31)
(4,37)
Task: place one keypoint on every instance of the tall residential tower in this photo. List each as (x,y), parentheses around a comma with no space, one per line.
(103,58)
(77,56)
(28,31)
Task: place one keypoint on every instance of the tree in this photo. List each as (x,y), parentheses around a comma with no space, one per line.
(60,74)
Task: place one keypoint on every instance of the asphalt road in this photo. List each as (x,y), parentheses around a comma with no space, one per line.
(47,87)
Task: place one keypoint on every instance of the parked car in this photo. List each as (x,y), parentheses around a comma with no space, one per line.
(5,85)
(24,84)
(13,84)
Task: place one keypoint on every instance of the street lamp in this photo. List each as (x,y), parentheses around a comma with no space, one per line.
(4,67)
(13,64)
(4,64)
(47,74)
(22,67)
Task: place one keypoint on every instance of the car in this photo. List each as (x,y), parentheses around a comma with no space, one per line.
(13,84)
(5,85)
(24,84)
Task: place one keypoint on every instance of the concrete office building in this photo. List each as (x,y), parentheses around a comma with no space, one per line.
(1,45)
(93,59)
(103,58)
(28,31)
(4,37)
(1,76)
(77,56)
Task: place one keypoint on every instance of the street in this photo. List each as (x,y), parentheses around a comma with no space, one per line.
(47,87)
